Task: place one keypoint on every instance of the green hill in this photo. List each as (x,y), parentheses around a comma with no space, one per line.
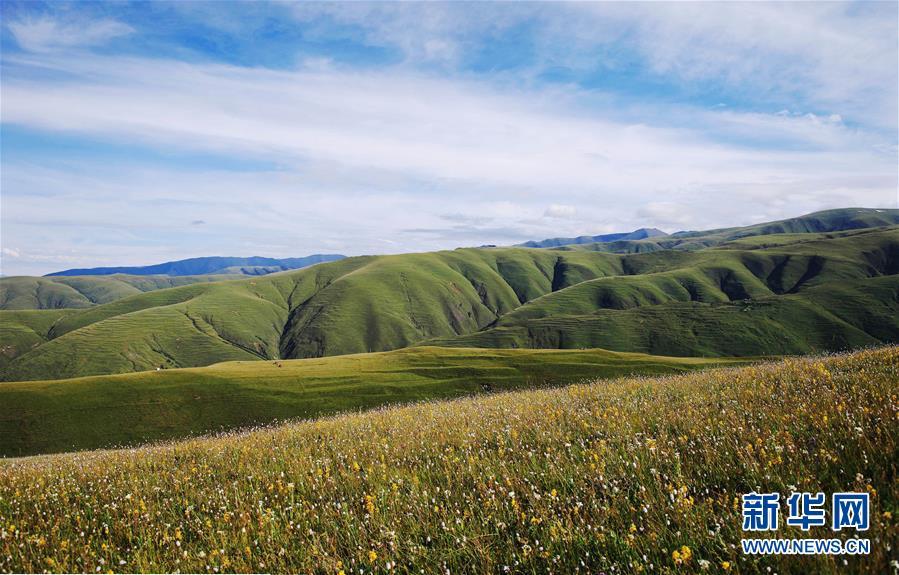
(24,330)
(104,411)
(57,292)
(643,240)
(350,306)
(823,221)
(624,476)
(736,299)
(811,295)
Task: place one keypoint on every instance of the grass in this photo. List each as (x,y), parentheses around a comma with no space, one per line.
(814,295)
(823,221)
(106,411)
(847,315)
(628,476)
(59,292)
(827,223)
(354,305)
(767,298)
(24,330)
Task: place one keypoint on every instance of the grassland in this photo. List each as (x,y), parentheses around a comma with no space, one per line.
(824,224)
(849,315)
(626,476)
(808,295)
(354,305)
(128,409)
(823,221)
(755,296)
(61,292)
(24,330)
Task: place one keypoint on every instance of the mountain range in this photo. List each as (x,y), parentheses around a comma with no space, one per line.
(640,234)
(209,265)
(735,292)
(308,342)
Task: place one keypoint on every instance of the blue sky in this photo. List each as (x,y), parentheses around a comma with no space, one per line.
(134,133)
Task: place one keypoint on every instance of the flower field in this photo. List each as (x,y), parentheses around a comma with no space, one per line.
(639,475)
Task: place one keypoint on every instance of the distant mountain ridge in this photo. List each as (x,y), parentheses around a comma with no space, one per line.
(824,221)
(254,265)
(651,239)
(729,293)
(640,234)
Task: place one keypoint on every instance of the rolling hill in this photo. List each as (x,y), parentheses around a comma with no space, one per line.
(640,234)
(810,295)
(59,292)
(828,221)
(115,410)
(747,296)
(210,265)
(823,221)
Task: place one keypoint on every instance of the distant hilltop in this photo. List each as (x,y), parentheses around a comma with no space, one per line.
(816,222)
(252,266)
(641,234)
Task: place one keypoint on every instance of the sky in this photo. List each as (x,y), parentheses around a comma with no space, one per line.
(134,133)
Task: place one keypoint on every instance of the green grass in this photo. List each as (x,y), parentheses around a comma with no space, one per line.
(613,477)
(818,225)
(768,295)
(813,295)
(59,292)
(350,306)
(823,221)
(103,411)
(846,317)
(24,330)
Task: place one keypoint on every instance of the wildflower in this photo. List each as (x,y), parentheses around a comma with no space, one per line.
(682,555)
(372,556)
(725,565)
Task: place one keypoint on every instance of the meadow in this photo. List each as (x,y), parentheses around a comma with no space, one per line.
(62,292)
(800,295)
(633,475)
(129,409)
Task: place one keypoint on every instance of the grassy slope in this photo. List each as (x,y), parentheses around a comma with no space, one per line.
(350,306)
(823,221)
(102,411)
(474,297)
(608,477)
(24,292)
(812,295)
(772,326)
(826,224)
(24,330)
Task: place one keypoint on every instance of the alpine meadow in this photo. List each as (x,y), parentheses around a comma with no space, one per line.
(388,288)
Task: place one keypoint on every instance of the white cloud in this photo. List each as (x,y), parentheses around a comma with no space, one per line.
(10,252)
(560,211)
(835,56)
(48,35)
(667,215)
(388,154)
(421,127)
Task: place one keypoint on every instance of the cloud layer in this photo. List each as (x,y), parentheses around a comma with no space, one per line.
(114,156)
